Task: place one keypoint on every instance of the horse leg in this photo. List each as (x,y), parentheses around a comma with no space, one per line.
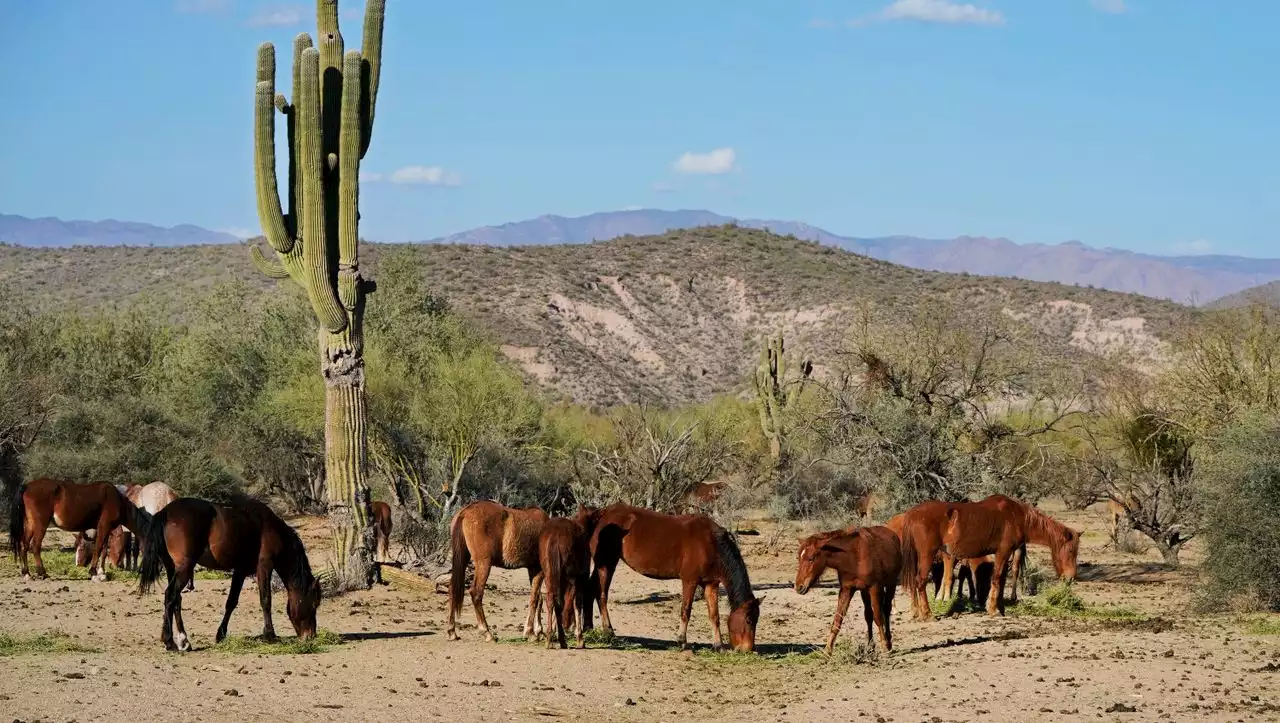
(99,558)
(711,591)
(477,597)
(943,591)
(995,599)
(35,543)
(170,600)
(264,597)
(686,610)
(867,614)
(1015,562)
(233,597)
(604,576)
(886,602)
(842,606)
(535,602)
(561,615)
(878,613)
(572,605)
(185,569)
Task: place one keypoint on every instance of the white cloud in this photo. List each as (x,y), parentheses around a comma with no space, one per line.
(939,11)
(1115,7)
(239,232)
(370,177)
(276,16)
(202,6)
(426,175)
(1194,247)
(719,161)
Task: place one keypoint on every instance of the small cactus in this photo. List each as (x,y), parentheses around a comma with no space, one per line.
(330,122)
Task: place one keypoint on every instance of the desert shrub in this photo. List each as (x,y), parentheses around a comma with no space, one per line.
(819,492)
(1241,479)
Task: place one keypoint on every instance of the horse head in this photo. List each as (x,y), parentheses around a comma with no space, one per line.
(813,558)
(303,601)
(1066,554)
(742,625)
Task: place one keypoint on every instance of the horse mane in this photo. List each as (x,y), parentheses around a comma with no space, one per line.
(735,570)
(292,564)
(1043,527)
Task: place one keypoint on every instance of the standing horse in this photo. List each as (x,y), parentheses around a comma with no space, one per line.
(493,535)
(1001,525)
(691,548)
(120,548)
(72,507)
(245,538)
(868,560)
(920,528)
(382,529)
(947,570)
(564,552)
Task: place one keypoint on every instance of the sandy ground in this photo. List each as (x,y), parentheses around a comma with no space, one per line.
(397,664)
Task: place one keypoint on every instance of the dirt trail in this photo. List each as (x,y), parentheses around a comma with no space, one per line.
(396,662)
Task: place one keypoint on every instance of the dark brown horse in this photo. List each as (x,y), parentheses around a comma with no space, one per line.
(1000,525)
(244,538)
(492,535)
(72,507)
(382,529)
(691,548)
(868,560)
(564,551)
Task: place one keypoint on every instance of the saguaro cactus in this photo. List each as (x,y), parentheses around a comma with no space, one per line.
(330,122)
(775,394)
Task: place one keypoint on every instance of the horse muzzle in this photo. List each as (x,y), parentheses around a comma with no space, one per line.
(801,589)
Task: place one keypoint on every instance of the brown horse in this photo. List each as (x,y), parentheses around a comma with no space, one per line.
(244,538)
(72,507)
(868,560)
(1001,525)
(382,529)
(691,548)
(920,528)
(493,535)
(121,549)
(564,552)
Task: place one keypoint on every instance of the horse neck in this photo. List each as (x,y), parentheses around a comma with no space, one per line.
(1042,529)
(736,580)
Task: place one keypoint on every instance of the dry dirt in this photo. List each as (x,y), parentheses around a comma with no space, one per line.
(396,663)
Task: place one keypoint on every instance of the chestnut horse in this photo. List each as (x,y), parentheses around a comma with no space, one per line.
(921,529)
(693,549)
(868,560)
(72,507)
(493,535)
(245,538)
(946,570)
(1001,525)
(382,529)
(564,553)
(122,552)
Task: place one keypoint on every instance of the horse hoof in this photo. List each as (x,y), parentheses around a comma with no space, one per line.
(491,637)
(184,643)
(100,577)
(26,577)
(451,635)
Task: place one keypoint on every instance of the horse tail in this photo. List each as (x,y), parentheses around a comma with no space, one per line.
(910,576)
(154,551)
(17,520)
(461,556)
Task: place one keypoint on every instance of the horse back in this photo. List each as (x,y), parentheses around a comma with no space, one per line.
(665,547)
(215,536)
(74,507)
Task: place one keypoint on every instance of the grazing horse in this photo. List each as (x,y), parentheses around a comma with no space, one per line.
(869,560)
(245,538)
(382,529)
(693,549)
(1001,525)
(72,507)
(564,553)
(493,535)
(121,550)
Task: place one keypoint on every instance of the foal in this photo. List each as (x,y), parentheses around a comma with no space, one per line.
(867,559)
(494,535)
(564,551)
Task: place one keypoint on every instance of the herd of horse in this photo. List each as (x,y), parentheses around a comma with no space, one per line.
(571,561)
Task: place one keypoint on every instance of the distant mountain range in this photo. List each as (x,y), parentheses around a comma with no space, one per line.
(1184,279)
(52,232)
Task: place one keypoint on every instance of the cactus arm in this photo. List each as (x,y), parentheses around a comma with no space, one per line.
(329,41)
(300,43)
(264,146)
(315,252)
(271,269)
(349,183)
(371,68)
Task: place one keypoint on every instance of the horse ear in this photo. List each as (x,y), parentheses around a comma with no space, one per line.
(760,599)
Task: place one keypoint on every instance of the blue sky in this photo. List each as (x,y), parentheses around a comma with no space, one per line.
(1143,124)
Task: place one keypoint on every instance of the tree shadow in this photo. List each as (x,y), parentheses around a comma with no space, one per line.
(1137,573)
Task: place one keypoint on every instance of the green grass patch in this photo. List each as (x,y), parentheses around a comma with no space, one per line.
(957,605)
(731,658)
(595,639)
(256,645)
(1262,625)
(54,641)
(60,565)
(1061,601)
